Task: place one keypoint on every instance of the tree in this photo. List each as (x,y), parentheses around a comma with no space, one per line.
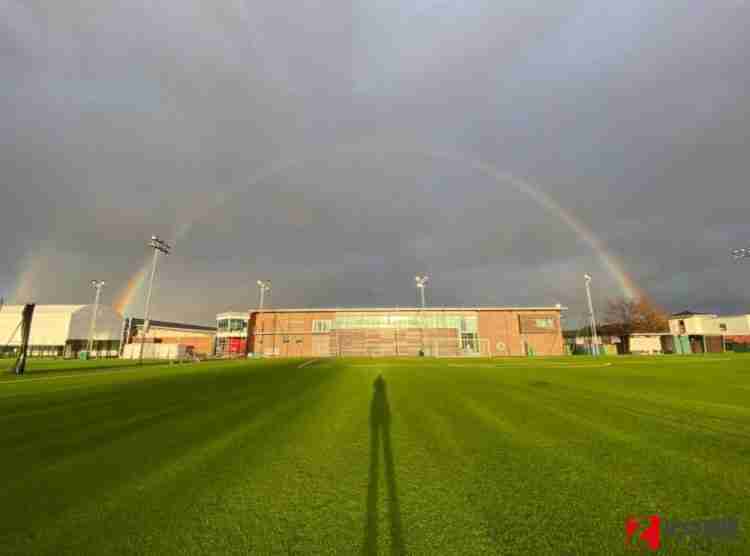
(627,316)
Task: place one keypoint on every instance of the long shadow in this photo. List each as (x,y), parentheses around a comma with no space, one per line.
(380,428)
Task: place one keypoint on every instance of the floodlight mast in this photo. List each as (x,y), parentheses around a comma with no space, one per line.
(592,317)
(421,284)
(263,287)
(97,285)
(158,246)
(741,254)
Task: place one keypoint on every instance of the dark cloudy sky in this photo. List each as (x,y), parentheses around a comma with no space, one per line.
(295,141)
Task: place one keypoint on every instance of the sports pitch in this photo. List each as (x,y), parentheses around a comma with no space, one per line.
(455,456)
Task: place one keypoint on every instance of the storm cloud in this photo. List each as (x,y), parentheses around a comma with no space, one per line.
(303,142)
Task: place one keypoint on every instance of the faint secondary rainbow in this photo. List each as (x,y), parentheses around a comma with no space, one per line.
(609,261)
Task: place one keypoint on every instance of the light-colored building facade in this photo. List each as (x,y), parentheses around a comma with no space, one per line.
(708,332)
(61,330)
(231,333)
(645,343)
(688,323)
(442,332)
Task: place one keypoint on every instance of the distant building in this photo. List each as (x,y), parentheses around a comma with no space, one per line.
(688,322)
(651,343)
(437,331)
(61,330)
(231,333)
(197,339)
(709,332)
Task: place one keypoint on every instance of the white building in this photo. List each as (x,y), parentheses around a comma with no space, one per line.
(650,343)
(61,330)
(705,324)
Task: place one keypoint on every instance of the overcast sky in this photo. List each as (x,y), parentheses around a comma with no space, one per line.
(300,142)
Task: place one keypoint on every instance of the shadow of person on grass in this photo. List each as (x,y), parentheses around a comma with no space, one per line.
(380,429)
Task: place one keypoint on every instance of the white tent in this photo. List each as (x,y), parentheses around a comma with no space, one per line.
(60,329)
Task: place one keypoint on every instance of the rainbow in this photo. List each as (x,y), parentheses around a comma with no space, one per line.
(609,261)
(126,296)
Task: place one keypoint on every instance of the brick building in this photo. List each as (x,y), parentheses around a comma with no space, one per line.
(197,338)
(442,332)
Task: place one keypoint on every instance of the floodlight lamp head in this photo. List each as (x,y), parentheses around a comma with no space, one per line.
(587,277)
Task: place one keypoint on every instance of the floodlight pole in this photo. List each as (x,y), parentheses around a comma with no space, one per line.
(158,246)
(592,317)
(263,287)
(421,283)
(97,285)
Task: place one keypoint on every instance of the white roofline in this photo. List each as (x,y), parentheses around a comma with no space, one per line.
(232,314)
(409,309)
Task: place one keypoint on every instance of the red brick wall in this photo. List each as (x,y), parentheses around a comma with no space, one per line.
(290,334)
(269,330)
(503,328)
(738,339)
(200,344)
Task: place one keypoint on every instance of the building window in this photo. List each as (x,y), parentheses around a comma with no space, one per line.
(723,327)
(682,327)
(321,326)
(469,341)
(545,323)
(461,323)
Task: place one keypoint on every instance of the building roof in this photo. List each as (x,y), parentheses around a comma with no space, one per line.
(692,314)
(409,309)
(135,321)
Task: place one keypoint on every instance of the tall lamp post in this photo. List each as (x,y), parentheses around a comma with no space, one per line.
(263,287)
(592,317)
(97,285)
(421,282)
(158,246)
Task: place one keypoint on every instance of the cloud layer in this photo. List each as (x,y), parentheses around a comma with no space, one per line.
(283,142)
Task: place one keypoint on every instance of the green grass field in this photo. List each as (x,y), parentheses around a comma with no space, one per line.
(470,456)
